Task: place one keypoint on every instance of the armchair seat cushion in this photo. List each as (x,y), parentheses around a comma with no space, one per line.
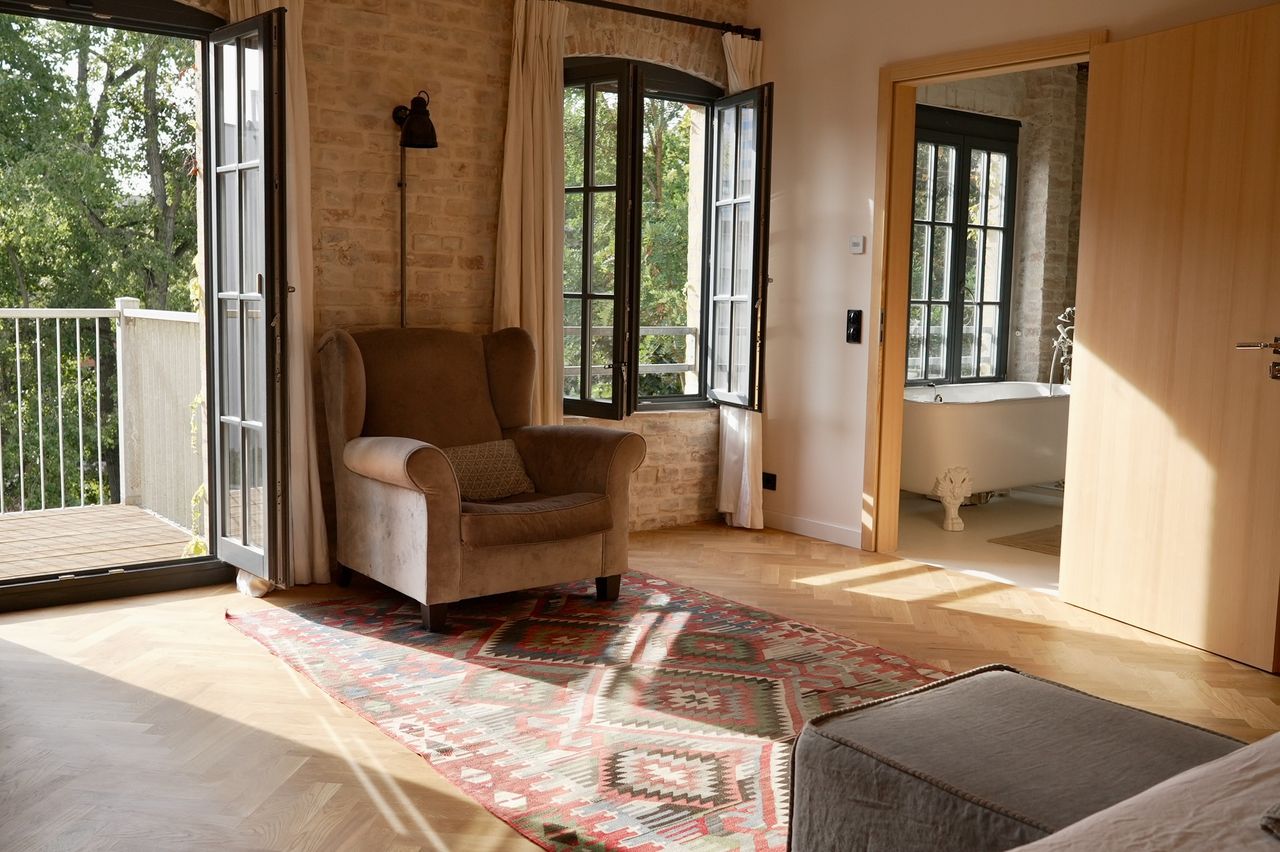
(532,517)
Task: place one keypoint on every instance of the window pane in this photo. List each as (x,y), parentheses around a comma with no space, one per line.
(977,187)
(229,132)
(940,263)
(672,188)
(990,341)
(969,343)
(972,263)
(743,260)
(253,257)
(746,150)
(602,349)
(605,134)
(255,486)
(924,165)
(229,356)
(724,250)
(992,262)
(573,242)
(740,359)
(251,129)
(228,231)
(996,182)
(944,183)
(915,343)
(255,356)
(575,130)
(720,370)
(728,143)
(232,478)
(604,233)
(937,367)
(919,258)
(573,348)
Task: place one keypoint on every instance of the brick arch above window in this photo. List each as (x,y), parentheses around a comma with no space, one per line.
(693,50)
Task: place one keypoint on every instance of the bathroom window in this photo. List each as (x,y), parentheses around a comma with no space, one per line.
(962,247)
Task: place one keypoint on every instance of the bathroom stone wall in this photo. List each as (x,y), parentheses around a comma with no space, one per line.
(1050,103)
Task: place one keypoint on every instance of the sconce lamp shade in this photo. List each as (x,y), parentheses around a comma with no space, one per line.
(416,129)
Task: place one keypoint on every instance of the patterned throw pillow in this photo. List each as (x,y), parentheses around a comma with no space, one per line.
(489,471)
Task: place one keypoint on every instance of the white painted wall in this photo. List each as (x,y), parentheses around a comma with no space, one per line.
(824,57)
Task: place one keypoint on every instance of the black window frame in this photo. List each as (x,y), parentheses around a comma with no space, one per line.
(635,82)
(967,132)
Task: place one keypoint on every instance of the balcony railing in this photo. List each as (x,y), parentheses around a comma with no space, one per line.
(598,370)
(98,406)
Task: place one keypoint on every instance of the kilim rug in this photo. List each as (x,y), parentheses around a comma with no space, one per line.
(661,721)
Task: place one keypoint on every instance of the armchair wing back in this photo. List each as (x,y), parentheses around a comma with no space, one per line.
(394,398)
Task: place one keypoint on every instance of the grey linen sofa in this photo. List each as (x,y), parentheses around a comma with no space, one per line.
(395,400)
(996,759)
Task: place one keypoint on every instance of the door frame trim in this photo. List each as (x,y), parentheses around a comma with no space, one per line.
(890,261)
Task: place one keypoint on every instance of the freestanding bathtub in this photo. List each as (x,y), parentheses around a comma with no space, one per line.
(1006,434)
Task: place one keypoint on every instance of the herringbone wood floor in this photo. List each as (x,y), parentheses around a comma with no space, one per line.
(149,724)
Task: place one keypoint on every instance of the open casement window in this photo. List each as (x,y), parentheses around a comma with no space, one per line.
(962,247)
(641,172)
(740,246)
(246,262)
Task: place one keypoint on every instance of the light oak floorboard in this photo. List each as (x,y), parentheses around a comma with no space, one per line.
(147,723)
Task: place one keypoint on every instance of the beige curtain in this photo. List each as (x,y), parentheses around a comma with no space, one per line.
(530,253)
(308,542)
(741,493)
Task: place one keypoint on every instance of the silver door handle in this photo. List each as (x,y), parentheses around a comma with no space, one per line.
(1259,344)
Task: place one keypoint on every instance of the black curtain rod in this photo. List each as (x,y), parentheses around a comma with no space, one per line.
(722,26)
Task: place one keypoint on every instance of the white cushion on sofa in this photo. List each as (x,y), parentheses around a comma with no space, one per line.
(1217,805)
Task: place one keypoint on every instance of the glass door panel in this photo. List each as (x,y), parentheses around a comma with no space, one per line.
(245,195)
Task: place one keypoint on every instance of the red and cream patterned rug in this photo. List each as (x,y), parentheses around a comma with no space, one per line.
(661,721)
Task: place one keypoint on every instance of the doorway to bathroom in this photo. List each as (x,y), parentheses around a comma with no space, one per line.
(990,319)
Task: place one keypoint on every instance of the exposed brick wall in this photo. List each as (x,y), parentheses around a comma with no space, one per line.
(1050,103)
(676,484)
(366,56)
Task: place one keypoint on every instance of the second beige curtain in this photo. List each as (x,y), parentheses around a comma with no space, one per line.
(530,253)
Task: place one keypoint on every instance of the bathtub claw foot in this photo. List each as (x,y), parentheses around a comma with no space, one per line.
(952,488)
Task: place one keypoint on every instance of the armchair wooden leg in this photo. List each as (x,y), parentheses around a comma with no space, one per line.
(607,588)
(344,576)
(434,617)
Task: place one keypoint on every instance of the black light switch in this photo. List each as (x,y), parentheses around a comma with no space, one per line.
(853,327)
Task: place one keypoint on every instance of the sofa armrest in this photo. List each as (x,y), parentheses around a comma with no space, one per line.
(569,459)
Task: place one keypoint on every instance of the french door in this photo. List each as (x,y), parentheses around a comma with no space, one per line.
(245,185)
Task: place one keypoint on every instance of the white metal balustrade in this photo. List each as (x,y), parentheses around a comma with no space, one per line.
(33,333)
(101,406)
(599,370)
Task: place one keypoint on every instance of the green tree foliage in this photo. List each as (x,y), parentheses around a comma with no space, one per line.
(97,154)
(97,201)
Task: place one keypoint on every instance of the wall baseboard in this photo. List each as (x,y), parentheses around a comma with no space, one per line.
(848,536)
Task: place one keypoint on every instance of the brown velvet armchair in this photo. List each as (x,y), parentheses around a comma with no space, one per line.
(393,398)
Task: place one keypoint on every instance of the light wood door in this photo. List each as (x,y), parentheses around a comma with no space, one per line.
(1172,516)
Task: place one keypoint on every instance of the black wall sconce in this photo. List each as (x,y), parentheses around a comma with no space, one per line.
(416,131)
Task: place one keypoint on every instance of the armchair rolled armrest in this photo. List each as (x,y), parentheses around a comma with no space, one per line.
(406,463)
(568,459)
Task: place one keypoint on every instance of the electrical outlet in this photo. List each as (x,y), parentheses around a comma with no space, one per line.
(770,482)
(853,327)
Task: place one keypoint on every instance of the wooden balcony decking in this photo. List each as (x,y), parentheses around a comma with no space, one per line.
(60,541)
